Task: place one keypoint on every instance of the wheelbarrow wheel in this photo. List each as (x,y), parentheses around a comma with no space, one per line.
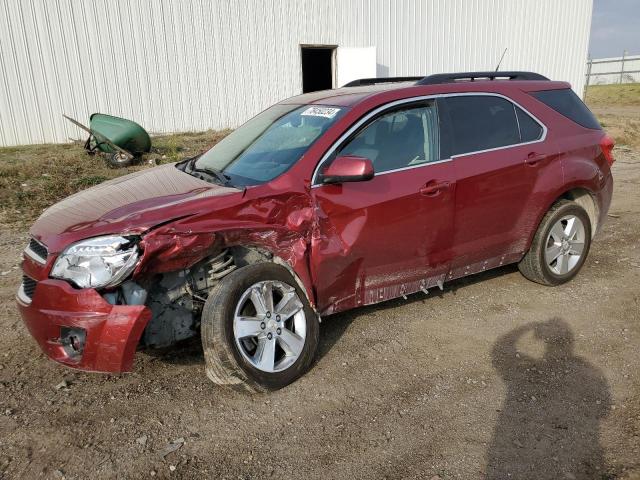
(119,160)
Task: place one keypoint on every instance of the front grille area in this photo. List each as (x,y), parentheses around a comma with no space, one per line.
(39,249)
(28,286)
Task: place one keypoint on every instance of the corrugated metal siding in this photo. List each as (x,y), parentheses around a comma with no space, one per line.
(179,65)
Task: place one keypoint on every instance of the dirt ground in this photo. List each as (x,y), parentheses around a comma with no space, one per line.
(495,377)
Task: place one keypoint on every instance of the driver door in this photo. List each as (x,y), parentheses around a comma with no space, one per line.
(391,235)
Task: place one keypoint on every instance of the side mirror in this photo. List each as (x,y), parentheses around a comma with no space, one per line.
(348,168)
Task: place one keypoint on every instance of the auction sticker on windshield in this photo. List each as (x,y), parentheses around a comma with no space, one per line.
(327,112)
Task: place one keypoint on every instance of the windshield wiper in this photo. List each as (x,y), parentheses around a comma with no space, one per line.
(186,163)
(222,177)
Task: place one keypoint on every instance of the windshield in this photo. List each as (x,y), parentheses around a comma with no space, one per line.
(268,144)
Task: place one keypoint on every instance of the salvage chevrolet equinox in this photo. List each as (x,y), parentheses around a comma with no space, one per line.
(324,202)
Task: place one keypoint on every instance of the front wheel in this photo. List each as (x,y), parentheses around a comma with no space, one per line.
(258,330)
(560,246)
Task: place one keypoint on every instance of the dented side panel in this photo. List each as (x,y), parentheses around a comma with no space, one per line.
(381,239)
(280,224)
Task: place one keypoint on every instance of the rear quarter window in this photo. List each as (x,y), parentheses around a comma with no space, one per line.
(567,103)
(530,130)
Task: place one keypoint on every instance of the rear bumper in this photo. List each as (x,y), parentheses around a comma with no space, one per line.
(111,332)
(604,201)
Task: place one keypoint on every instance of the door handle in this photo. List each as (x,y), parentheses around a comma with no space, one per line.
(534,158)
(433,187)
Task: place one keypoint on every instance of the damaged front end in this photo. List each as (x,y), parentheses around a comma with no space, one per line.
(82,320)
(90,324)
(80,329)
(183,261)
(174,298)
(91,297)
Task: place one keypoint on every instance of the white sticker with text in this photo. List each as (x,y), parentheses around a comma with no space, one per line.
(327,112)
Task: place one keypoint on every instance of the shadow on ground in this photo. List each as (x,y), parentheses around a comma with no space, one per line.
(549,424)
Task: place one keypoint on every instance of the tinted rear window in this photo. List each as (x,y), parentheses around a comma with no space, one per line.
(567,103)
(476,123)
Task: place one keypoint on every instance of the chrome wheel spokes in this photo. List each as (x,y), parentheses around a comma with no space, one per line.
(565,244)
(269,326)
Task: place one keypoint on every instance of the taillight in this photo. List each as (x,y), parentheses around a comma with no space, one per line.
(606,144)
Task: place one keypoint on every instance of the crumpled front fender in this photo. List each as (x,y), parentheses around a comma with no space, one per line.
(280,224)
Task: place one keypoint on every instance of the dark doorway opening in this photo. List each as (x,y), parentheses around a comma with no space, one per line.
(317,68)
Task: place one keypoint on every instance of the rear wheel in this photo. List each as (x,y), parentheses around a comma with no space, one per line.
(258,330)
(560,246)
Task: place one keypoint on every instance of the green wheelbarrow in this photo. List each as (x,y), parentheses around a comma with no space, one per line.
(122,141)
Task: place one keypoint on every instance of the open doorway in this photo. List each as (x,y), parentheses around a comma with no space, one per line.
(317,68)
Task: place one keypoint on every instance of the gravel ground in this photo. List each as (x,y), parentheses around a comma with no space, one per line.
(495,377)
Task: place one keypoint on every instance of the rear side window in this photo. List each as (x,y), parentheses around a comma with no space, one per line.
(475,123)
(567,103)
(530,130)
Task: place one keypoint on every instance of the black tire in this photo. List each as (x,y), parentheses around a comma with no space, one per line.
(533,266)
(225,365)
(119,160)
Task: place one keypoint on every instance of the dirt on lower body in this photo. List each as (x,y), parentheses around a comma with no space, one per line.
(495,377)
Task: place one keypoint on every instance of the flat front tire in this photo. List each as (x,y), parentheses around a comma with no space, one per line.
(259,332)
(560,246)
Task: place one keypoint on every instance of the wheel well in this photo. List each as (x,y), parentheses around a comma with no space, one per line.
(585,199)
(177,298)
(244,255)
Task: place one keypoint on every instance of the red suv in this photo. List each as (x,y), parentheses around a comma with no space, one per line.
(322,203)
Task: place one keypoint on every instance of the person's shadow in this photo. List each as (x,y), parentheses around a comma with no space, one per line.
(548,426)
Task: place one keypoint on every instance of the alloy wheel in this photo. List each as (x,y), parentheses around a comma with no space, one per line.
(565,244)
(269,326)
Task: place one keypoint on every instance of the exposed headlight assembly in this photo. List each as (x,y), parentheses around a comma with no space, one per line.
(97,262)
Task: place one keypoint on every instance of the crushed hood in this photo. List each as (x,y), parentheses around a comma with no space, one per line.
(130,204)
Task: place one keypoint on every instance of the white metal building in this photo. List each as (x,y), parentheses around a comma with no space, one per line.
(183,65)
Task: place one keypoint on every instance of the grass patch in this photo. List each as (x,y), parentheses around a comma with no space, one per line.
(606,96)
(625,130)
(618,110)
(33,177)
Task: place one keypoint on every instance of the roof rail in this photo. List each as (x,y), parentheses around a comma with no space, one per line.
(373,81)
(439,78)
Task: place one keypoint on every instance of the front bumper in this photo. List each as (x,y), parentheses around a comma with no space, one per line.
(111,332)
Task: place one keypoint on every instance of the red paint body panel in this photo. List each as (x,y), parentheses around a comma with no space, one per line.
(130,204)
(381,233)
(496,193)
(113,331)
(349,244)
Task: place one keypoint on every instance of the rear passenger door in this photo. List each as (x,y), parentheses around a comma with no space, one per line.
(498,151)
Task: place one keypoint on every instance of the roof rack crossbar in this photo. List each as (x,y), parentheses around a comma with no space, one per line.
(473,76)
(374,81)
